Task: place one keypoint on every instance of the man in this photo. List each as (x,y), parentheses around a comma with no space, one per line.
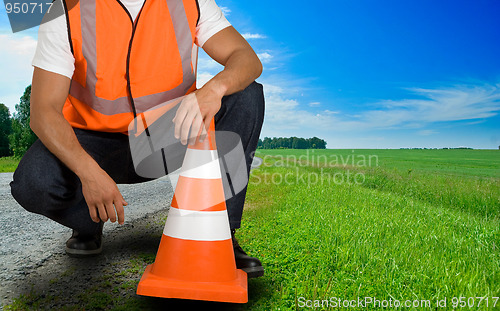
(100,64)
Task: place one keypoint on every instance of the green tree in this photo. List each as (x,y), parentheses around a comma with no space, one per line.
(292,142)
(302,143)
(316,143)
(5,130)
(22,137)
(266,143)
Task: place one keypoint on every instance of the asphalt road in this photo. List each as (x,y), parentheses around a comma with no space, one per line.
(28,240)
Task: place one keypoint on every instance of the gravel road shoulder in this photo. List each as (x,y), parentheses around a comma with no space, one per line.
(32,246)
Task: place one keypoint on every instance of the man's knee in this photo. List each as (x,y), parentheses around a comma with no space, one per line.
(253,98)
(248,104)
(27,192)
(36,187)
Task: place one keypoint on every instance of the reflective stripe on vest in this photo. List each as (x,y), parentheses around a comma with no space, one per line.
(104,106)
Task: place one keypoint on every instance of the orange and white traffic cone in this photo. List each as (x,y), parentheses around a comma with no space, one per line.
(195,259)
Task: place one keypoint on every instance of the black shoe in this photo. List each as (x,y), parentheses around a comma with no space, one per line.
(84,245)
(251,265)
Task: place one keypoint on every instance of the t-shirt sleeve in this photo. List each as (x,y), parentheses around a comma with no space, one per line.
(212,20)
(53,52)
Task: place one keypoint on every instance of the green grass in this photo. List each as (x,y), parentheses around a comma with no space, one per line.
(416,228)
(416,224)
(440,177)
(8,164)
(457,162)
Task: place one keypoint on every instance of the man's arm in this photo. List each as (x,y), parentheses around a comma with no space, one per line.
(241,67)
(241,64)
(48,94)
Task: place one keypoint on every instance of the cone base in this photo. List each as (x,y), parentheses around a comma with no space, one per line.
(155,286)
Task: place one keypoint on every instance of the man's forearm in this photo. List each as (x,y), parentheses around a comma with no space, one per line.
(58,136)
(99,191)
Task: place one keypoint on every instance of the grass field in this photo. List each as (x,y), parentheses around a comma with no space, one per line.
(416,225)
(8,164)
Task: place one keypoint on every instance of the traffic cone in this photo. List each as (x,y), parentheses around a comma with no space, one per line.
(195,259)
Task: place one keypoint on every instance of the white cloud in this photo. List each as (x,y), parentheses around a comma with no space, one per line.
(253,36)
(329,112)
(284,114)
(17,52)
(205,63)
(315,104)
(463,102)
(265,57)
(202,78)
(475,122)
(225,10)
(207,68)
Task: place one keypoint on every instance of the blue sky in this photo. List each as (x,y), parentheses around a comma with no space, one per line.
(360,74)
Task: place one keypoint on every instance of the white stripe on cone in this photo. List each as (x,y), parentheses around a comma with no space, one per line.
(197,225)
(203,164)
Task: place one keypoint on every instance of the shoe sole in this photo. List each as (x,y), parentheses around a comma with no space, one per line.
(254,272)
(80,253)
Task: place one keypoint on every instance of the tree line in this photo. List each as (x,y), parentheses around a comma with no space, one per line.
(16,135)
(291,143)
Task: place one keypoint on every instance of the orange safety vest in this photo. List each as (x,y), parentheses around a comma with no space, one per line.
(125,67)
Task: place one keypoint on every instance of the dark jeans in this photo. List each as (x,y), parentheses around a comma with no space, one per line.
(42,184)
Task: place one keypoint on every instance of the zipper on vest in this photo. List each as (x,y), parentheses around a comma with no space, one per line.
(129,88)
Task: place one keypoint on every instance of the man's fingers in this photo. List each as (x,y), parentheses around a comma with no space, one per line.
(110,210)
(102,212)
(119,210)
(195,129)
(186,125)
(178,120)
(93,214)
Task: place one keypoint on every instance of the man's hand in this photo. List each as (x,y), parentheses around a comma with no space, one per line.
(195,110)
(102,197)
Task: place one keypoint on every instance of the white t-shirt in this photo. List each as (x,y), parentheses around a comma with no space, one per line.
(53,52)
